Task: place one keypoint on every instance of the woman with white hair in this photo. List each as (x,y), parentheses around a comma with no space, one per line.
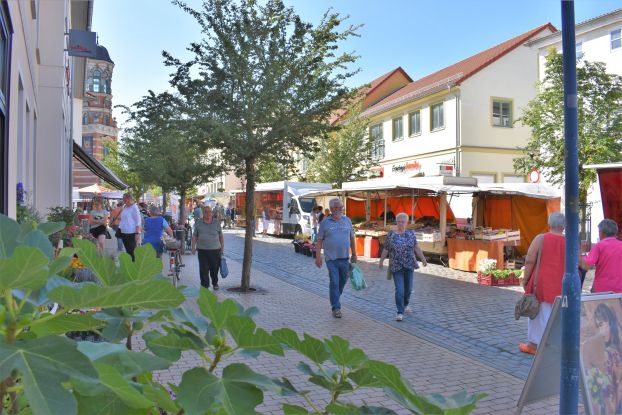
(544,271)
(606,256)
(401,247)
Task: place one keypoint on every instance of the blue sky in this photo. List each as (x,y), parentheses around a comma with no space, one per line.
(421,36)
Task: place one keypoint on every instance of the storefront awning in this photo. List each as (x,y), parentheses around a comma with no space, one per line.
(97,168)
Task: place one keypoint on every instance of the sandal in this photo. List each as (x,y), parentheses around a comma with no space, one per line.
(527,348)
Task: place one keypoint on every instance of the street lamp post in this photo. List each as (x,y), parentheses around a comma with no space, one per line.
(571,286)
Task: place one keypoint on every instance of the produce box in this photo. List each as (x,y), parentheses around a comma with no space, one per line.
(428,236)
(499,235)
(513,235)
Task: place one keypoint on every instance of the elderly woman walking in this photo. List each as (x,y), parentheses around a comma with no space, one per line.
(401,247)
(208,240)
(544,271)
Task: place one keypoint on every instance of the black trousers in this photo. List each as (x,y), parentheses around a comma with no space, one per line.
(129,243)
(209,265)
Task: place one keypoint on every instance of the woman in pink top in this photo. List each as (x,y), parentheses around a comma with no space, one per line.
(551,247)
(606,256)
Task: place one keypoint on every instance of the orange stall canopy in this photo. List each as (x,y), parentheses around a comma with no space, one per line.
(424,206)
(528,214)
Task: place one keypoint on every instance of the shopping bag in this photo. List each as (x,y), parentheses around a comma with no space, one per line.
(224,269)
(356,277)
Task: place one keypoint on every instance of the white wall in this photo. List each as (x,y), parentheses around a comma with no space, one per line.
(54,150)
(21,138)
(77,120)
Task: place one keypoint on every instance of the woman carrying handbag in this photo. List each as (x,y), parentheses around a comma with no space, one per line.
(544,271)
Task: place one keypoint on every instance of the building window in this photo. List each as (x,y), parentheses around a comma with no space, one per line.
(377,142)
(95,82)
(85,118)
(616,39)
(398,129)
(106,151)
(107,86)
(96,118)
(87,144)
(579,50)
(501,113)
(513,178)
(106,119)
(437,118)
(414,123)
(484,177)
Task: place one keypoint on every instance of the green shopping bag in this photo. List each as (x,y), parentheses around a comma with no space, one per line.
(357,280)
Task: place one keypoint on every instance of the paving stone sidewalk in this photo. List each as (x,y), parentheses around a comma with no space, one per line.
(435,348)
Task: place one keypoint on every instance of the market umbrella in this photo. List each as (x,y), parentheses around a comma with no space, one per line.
(94,188)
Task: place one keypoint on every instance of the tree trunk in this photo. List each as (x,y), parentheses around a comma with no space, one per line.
(250,220)
(163,202)
(182,220)
(182,207)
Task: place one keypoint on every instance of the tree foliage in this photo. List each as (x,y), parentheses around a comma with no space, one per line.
(262,82)
(599,122)
(161,151)
(115,163)
(346,155)
(270,170)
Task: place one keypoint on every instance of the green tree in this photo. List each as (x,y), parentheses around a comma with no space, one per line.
(262,82)
(270,170)
(346,156)
(162,151)
(599,101)
(115,163)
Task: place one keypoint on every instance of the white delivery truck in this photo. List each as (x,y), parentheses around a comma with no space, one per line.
(285,200)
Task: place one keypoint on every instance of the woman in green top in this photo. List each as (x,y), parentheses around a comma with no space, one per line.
(207,239)
(98,221)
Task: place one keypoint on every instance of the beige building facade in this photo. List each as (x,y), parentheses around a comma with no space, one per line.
(460,120)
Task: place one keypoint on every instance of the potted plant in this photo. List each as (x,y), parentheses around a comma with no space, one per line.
(488,274)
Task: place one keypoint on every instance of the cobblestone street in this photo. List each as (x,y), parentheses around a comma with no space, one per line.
(461,335)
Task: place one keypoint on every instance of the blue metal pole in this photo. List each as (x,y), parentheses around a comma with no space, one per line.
(571,286)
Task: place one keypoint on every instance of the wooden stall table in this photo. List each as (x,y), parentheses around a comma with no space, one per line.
(465,254)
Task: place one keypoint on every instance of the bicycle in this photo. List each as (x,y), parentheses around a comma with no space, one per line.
(174,261)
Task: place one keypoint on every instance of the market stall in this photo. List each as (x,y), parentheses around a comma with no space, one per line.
(423,199)
(506,218)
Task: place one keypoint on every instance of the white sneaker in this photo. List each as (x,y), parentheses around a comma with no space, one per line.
(408,309)
(399,317)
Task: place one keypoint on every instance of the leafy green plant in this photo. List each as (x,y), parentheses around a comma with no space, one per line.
(28,214)
(44,372)
(63,214)
(504,274)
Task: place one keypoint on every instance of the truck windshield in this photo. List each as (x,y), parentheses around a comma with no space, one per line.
(306,204)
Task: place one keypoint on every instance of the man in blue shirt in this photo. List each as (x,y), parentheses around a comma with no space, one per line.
(336,236)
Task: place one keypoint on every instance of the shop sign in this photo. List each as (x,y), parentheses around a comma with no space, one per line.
(446,170)
(406,166)
(376,172)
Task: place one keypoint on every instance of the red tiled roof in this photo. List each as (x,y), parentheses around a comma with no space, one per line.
(368,89)
(455,74)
